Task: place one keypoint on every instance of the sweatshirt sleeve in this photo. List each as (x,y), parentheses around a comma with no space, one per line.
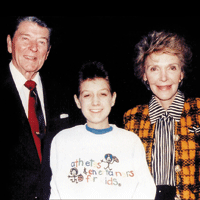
(146,188)
(53,164)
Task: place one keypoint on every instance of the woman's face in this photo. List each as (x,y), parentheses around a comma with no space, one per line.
(163,73)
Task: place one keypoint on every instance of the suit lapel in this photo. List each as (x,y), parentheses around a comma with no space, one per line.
(45,99)
(25,135)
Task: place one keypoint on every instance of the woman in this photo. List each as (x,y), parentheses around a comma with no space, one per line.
(169,125)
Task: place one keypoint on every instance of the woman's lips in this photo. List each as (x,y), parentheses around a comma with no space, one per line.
(164,88)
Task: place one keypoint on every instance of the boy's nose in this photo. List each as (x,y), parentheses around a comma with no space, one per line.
(95,101)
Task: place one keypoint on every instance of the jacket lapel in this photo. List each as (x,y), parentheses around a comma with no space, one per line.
(45,100)
(18,114)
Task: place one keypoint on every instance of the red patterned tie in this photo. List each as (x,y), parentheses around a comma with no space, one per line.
(32,115)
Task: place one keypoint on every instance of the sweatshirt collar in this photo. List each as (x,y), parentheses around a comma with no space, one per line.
(99,131)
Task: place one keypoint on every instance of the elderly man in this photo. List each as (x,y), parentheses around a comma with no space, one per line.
(27,121)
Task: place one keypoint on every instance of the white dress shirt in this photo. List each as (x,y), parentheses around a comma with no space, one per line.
(20,80)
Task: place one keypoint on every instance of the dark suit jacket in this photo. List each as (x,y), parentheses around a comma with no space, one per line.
(23,175)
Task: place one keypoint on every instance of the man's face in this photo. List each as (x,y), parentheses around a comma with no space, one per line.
(29,47)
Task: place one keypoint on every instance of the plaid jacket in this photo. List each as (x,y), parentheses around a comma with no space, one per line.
(187,144)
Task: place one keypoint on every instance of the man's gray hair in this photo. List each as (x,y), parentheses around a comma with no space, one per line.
(33,19)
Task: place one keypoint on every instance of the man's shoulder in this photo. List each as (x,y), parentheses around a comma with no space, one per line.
(5,74)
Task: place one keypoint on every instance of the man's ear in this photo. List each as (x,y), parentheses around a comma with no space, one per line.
(49,48)
(9,44)
(77,101)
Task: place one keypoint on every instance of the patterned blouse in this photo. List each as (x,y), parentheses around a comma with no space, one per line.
(163,153)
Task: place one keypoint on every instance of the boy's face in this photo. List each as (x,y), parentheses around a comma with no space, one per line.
(96,101)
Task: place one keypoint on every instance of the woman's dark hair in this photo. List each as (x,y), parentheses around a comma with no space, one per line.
(91,71)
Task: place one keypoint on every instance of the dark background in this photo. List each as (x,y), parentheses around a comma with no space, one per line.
(110,40)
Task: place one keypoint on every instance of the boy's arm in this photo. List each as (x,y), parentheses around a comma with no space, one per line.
(53,161)
(146,188)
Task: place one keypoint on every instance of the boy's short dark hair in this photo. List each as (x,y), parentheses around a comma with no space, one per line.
(92,70)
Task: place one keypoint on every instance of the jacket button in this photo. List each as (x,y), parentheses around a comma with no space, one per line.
(177,197)
(176,138)
(177,168)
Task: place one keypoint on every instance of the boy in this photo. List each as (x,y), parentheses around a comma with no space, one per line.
(98,160)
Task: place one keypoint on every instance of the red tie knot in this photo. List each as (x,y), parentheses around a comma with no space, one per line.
(30,84)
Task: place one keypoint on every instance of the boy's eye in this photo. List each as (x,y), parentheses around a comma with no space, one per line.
(103,94)
(86,95)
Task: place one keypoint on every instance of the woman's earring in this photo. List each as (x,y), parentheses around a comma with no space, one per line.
(146,83)
(180,83)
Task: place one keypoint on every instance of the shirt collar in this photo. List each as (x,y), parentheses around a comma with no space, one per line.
(175,109)
(19,79)
(99,131)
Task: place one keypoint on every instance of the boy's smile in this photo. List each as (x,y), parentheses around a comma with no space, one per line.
(96,101)
(96,111)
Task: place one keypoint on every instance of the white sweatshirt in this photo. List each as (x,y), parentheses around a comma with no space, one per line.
(99,166)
